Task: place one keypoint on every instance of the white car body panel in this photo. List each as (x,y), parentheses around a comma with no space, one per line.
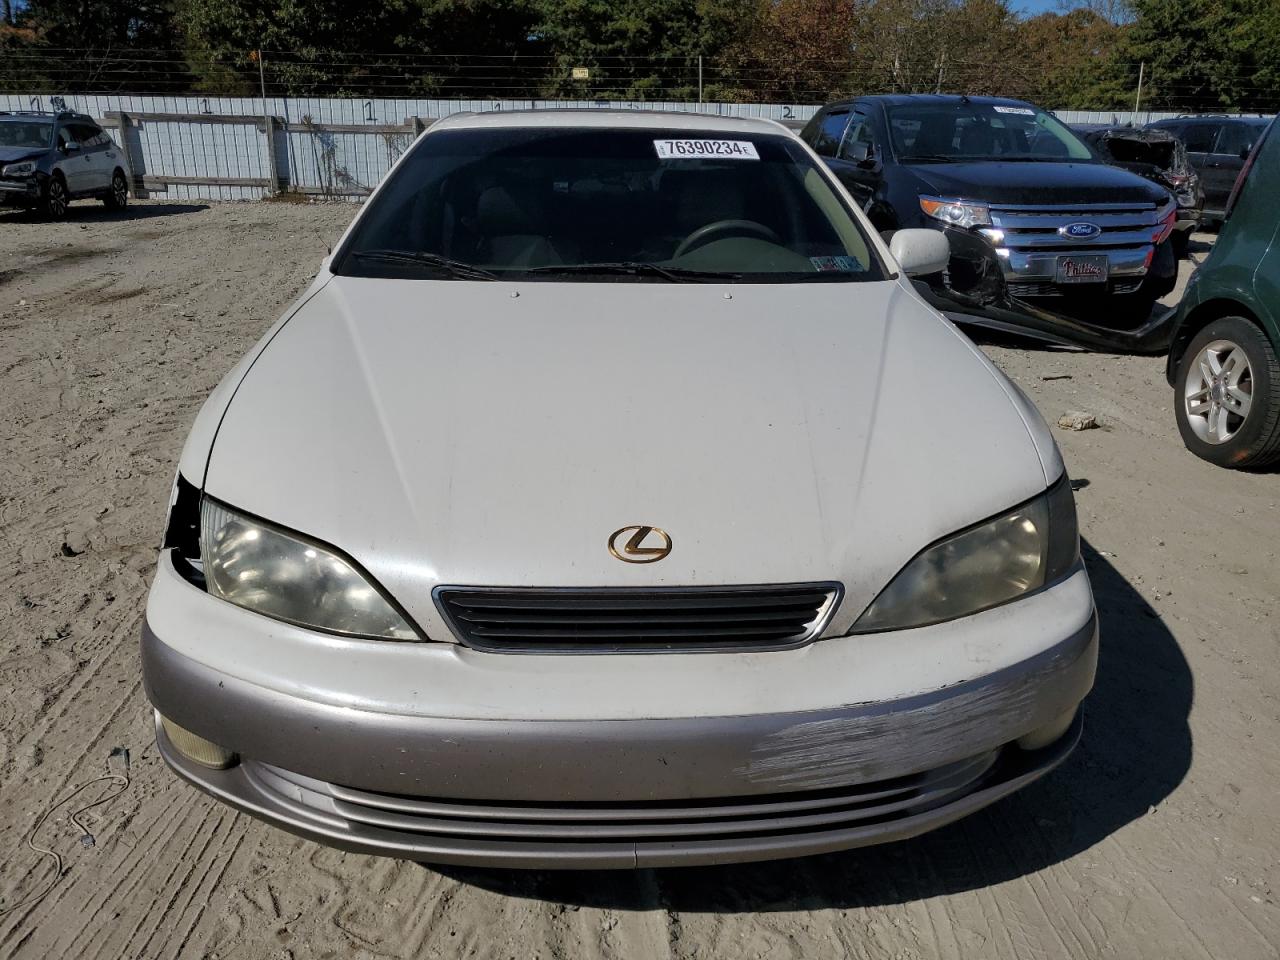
(453,681)
(786,433)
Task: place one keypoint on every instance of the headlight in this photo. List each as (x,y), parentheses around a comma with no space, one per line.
(281,575)
(956,213)
(982,567)
(24,169)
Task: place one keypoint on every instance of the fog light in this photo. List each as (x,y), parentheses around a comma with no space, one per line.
(1051,731)
(197,749)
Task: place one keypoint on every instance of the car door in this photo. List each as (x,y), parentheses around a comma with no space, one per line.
(1224,164)
(95,145)
(1200,139)
(71,162)
(858,161)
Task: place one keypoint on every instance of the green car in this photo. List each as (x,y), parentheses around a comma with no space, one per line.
(1222,364)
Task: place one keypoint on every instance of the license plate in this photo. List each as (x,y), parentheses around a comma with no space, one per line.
(1084,269)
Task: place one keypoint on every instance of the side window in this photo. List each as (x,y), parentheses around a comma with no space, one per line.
(1200,137)
(86,134)
(859,135)
(1234,139)
(830,132)
(65,136)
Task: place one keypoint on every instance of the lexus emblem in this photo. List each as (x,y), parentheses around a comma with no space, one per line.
(639,544)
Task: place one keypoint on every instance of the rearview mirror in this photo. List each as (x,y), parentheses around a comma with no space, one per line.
(920,252)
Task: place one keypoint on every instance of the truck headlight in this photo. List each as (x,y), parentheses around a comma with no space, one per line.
(279,574)
(984,566)
(24,169)
(956,213)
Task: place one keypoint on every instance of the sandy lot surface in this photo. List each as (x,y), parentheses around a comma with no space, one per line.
(1159,838)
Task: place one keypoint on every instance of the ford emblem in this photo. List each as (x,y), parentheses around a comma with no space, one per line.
(1080,231)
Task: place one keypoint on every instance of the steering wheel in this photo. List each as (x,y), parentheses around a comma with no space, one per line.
(705,233)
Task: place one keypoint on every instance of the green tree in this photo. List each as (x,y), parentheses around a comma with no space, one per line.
(334,47)
(73,46)
(1073,61)
(1208,54)
(634,49)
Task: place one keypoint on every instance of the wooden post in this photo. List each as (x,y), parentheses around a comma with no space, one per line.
(418,126)
(122,131)
(273,175)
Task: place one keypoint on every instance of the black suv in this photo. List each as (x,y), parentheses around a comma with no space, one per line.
(49,159)
(1217,147)
(1032,213)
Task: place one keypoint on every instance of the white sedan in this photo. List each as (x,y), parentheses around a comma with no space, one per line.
(611,499)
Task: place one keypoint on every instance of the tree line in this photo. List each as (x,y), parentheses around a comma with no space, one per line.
(1190,55)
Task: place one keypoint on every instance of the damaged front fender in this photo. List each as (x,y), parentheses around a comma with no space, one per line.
(973,291)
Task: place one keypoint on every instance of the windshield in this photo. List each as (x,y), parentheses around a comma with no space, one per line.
(643,205)
(21,133)
(957,131)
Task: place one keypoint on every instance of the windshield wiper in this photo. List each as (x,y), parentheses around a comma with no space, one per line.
(636,269)
(455,268)
(933,157)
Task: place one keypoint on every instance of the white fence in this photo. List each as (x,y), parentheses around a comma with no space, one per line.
(198,148)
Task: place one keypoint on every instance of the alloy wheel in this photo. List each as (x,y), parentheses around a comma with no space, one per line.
(119,190)
(57,198)
(1218,391)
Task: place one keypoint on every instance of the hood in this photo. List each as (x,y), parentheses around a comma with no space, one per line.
(1145,152)
(16,154)
(1036,182)
(498,433)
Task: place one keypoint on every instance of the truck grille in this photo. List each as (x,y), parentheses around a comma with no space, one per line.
(1036,228)
(624,620)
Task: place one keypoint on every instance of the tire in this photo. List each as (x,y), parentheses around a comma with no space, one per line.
(55,200)
(1181,241)
(1211,383)
(118,198)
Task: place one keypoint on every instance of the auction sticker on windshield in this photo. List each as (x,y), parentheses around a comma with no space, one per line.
(705,149)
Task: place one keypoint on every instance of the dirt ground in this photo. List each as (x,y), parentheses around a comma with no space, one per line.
(1159,838)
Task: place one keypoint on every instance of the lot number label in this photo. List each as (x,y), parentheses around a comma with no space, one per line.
(705,149)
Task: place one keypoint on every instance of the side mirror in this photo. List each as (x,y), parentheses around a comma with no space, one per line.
(921,252)
(70,147)
(860,152)
(1245,151)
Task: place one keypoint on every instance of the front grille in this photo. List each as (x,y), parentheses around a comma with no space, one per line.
(624,620)
(1035,228)
(561,824)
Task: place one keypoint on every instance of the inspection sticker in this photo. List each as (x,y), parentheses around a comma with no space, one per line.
(706,149)
(837,264)
(1021,111)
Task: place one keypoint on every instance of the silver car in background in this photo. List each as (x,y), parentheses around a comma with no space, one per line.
(49,159)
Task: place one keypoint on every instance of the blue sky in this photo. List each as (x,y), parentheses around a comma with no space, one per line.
(1032,7)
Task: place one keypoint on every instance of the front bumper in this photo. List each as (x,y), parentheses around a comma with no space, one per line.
(1017,292)
(1189,219)
(623,793)
(19,193)
(1126,268)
